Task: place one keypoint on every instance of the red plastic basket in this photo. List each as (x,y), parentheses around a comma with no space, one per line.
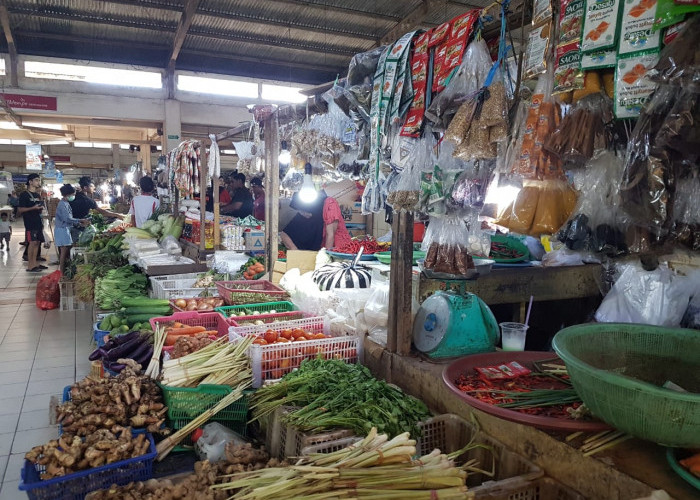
(229,289)
(209,320)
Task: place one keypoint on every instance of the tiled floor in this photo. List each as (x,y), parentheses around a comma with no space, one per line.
(40,353)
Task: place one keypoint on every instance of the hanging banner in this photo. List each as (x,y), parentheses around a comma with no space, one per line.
(24,101)
(33,156)
(49,168)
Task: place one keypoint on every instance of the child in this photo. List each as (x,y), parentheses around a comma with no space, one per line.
(5,232)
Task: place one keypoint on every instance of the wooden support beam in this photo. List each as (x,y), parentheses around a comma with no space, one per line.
(400,324)
(411,21)
(202,198)
(232,132)
(11,47)
(272,189)
(183,26)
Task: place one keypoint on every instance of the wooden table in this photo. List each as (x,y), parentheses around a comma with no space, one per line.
(515,285)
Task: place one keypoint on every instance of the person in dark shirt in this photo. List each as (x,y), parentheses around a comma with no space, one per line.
(241,205)
(83,203)
(30,207)
(256,186)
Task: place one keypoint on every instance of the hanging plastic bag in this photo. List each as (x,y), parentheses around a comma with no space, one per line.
(86,236)
(376,312)
(582,131)
(595,224)
(686,210)
(468,193)
(445,244)
(657,297)
(679,61)
(470,77)
(48,291)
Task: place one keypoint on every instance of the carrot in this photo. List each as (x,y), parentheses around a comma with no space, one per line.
(187,330)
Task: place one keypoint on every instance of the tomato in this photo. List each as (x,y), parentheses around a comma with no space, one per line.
(319,336)
(260,341)
(287,334)
(285,364)
(270,336)
(300,338)
(282,340)
(298,332)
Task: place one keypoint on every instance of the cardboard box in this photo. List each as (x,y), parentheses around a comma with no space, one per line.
(254,241)
(352,213)
(305,260)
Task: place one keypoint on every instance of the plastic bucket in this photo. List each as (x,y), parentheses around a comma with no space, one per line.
(418,232)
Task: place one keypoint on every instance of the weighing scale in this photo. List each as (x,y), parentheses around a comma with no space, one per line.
(449,325)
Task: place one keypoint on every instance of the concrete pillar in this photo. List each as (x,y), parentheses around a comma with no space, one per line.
(172,127)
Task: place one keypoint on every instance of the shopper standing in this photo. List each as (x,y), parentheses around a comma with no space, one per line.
(30,207)
(143,205)
(83,203)
(259,198)
(64,222)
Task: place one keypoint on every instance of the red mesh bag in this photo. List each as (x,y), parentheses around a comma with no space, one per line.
(48,292)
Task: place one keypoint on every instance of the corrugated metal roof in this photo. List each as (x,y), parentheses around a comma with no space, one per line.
(321,34)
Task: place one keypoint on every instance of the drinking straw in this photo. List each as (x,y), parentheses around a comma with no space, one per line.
(529,308)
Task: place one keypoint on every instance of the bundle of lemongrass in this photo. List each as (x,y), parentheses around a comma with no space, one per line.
(221,362)
(374,468)
(165,447)
(153,369)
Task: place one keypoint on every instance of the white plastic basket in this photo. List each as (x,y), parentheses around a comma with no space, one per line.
(178,286)
(69,301)
(273,361)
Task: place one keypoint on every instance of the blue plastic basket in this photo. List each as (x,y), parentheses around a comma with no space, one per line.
(99,334)
(77,485)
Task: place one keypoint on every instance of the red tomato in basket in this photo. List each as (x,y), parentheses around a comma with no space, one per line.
(271,336)
(260,341)
(282,340)
(298,332)
(286,334)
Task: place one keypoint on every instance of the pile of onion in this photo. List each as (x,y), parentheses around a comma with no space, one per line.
(199,304)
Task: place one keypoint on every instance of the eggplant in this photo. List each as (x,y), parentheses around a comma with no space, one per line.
(96,354)
(138,352)
(123,339)
(125,350)
(145,358)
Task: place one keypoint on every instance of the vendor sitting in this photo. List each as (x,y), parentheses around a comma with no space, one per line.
(318,224)
(241,205)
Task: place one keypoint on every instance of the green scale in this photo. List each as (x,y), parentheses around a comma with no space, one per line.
(449,325)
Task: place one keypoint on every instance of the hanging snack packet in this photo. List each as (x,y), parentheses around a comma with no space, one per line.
(632,87)
(535,61)
(669,12)
(636,27)
(541,11)
(570,20)
(597,60)
(600,24)
(567,68)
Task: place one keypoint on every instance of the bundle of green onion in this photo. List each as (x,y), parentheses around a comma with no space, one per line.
(374,468)
(221,362)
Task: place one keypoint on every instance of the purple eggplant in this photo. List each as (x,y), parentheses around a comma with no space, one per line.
(96,354)
(145,358)
(116,367)
(125,350)
(138,352)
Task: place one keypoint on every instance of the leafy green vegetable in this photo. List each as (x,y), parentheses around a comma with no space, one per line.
(119,283)
(334,394)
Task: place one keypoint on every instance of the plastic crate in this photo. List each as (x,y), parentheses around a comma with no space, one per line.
(175,308)
(69,302)
(543,488)
(273,361)
(178,286)
(209,320)
(330,446)
(186,403)
(285,311)
(75,486)
(450,433)
(228,290)
(283,440)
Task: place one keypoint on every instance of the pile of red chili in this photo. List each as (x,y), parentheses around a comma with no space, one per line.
(494,392)
(370,244)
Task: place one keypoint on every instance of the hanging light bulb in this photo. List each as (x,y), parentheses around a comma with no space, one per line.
(308,193)
(285,156)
